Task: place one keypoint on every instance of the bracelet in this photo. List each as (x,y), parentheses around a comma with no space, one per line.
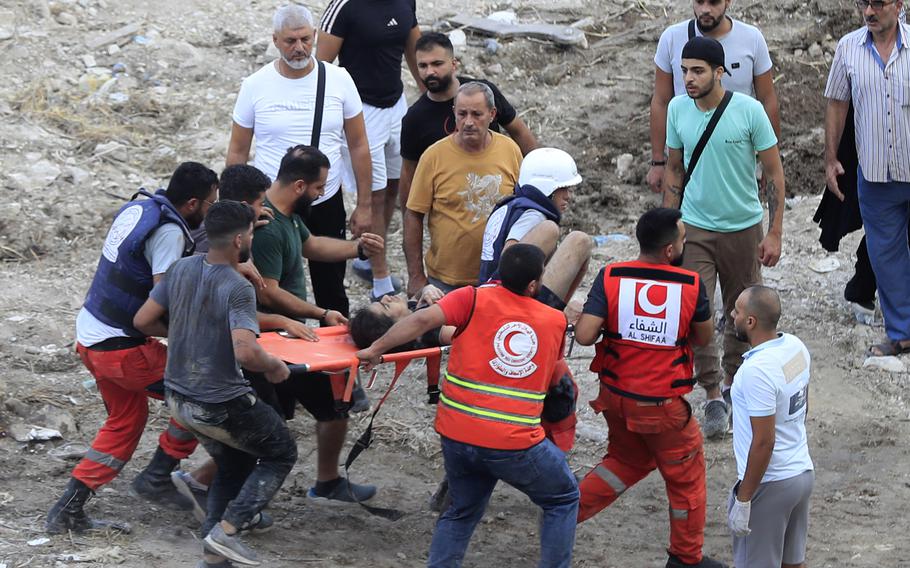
(360,252)
(658,162)
(324,314)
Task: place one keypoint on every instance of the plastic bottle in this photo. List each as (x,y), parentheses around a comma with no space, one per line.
(601,240)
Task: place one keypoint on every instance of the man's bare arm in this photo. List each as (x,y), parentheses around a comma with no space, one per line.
(150,319)
(520,133)
(766,95)
(280,301)
(413,250)
(674,174)
(355,133)
(408,167)
(835,118)
(663,92)
(239,146)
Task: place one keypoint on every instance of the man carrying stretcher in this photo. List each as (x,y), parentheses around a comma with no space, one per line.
(499,387)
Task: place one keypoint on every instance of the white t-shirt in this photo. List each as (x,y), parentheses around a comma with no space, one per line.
(163,248)
(774,380)
(745,52)
(528,220)
(280,111)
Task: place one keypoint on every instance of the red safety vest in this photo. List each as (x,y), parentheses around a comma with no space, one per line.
(500,369)
(644,353)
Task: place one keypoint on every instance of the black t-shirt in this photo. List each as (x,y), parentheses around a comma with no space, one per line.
(428,121)
(596,304)
(375,33)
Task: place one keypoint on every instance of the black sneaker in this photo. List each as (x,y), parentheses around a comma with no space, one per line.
(706,562)
(343,492)
(231,547)
(183,482)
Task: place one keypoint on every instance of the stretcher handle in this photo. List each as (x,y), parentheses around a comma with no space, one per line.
(298,368)
(415,354)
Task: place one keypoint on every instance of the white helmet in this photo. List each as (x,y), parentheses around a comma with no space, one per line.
(548,169)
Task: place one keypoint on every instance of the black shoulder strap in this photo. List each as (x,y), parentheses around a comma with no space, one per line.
(691,28)
(703,141)
(320,103)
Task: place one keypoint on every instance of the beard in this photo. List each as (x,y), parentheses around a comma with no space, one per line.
(244,255)
(701,92)
(678,261)
(437,84)
(298,64)
(740,335)
(302,206)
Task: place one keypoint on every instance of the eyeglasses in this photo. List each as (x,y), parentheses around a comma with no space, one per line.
(875,4)
(209,202)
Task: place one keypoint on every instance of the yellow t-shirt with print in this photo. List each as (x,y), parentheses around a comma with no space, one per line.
(457,190)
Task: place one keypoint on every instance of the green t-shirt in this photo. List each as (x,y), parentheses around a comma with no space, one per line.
(722,194)
(278,251)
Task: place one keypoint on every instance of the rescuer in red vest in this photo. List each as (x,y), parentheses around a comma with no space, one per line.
(647,313)
(499,383)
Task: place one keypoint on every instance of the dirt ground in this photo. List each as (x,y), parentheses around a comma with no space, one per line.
(88,121)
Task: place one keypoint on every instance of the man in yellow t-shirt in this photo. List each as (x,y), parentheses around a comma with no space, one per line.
(457,183)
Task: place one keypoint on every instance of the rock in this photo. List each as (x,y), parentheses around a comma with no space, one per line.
(798,53)
(39,541)
(495,69)
(890,364)
(110,37)
(22,432)
(625,166)
(113,49)
(39,175)
(66,19)
(112,150)
(55,419)
(89,60)
(554,73)
(16,407)
(823,265)
(815,51)
(5,34)
(590,432)
(459,40)
(504,16)
(77,175)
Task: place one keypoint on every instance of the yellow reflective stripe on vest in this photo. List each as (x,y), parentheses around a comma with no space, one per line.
(501,391)
(490,414)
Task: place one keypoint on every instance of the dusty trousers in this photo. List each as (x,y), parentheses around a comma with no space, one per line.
(730,259)
(123,377)
(644,436)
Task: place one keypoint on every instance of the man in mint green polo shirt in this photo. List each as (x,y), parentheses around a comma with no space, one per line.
(721,205)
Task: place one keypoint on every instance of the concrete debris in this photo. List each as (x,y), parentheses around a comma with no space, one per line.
(890,364)
(29,433)
(560,35)
(113,36)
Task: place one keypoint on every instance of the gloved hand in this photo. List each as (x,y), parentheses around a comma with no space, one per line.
(738,518)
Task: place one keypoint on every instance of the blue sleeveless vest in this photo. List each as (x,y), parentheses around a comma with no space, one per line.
(525,197)
(123,279)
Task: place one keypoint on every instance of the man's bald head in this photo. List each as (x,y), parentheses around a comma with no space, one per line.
(763,304)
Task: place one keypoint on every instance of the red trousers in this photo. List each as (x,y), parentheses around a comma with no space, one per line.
(122,377)
(644,436)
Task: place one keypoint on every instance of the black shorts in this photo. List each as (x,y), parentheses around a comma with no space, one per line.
(312,390)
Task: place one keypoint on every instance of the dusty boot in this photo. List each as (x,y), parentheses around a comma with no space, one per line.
(154,483)
(67,513)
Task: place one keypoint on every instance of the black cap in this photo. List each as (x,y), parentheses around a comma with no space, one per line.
(706,49)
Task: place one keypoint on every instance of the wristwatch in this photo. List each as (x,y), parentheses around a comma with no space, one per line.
(324,314)
(658,162)
(360,252)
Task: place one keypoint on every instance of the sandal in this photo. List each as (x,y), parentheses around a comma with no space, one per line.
(888,349)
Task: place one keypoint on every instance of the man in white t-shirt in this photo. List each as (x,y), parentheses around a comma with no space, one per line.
(277,105)
(747,62)
(768,511)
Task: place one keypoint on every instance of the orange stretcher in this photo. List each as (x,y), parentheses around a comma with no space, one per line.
(334,353)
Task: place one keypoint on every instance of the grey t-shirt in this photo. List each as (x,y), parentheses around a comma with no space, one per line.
(204,303)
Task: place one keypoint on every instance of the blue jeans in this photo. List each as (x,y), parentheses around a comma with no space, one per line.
(540,472)
(886,211)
